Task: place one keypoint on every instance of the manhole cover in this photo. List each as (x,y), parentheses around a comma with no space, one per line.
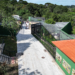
(45,50)
(43,57)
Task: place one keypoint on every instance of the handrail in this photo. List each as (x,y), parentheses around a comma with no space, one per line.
(5,56)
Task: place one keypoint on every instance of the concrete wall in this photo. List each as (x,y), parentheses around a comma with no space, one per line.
(32,22)
(67,65)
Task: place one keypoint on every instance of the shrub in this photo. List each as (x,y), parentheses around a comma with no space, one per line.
(73,31)
(39,19)
(50,21)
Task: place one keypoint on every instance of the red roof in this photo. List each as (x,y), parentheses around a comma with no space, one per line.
(67,47)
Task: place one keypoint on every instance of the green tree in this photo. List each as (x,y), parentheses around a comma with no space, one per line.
(31,8)
(51,7)
(25,2)
(36,13)
(13,2)
(57,9)
(25,16)
(55,17)
(20,1)
(64,9)
(0,18)
(50,21)
(73,31)
(21,12)
(10,24)
(60,9)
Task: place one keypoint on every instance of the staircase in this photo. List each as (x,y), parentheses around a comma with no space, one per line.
(5,58)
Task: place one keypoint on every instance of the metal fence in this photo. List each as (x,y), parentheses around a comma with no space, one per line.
(39,31)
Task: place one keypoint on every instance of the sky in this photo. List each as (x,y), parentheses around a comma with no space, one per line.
(58,2)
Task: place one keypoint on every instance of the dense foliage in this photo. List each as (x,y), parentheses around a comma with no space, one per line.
(51,21)
(10,24)
(6,69)
(50,11)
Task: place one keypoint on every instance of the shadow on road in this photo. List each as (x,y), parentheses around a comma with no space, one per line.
(26,72)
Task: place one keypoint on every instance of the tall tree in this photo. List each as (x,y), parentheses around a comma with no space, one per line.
(20,1)
(13,2)
(9,23)
(25,2)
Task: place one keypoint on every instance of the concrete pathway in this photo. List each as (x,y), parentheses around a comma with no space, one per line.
(34,61)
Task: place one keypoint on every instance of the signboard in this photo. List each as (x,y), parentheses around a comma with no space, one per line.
(66,66)
(58,57)
(73,71)
(13,60)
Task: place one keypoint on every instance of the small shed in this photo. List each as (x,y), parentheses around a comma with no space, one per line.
(65,55)
(17,17)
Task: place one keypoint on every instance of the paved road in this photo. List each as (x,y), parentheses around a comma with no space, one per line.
(34,61)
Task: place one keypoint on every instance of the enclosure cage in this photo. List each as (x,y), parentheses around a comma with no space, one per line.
(54,29)
(49,32)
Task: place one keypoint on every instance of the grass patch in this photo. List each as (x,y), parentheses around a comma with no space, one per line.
(10,48)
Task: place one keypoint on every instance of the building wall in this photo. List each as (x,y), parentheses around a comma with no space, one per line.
(65,63)
(29,18)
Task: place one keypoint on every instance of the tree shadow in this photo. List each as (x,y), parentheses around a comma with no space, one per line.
(21,47)
(25,72)
(22,37)
(27,39)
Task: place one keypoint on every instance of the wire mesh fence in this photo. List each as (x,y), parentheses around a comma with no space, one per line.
(54,29)
(46,38)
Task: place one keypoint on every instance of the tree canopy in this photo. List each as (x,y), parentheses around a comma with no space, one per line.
(49,11)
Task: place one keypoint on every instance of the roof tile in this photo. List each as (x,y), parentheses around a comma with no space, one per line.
(67,47)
